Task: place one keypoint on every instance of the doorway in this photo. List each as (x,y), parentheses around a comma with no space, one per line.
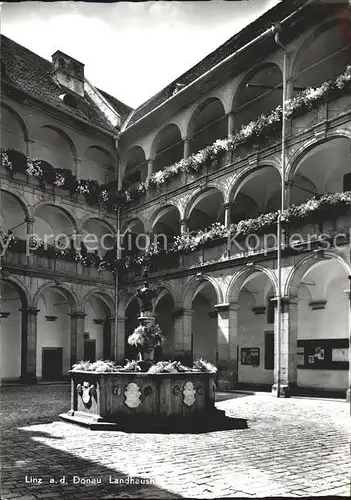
(52,363)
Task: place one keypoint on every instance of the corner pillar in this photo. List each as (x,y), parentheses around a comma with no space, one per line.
(118,339)
(186,151)
(150,167)
(183,340)
(77,336)
(227,214)
(227,342)
(285,354)
(29,345)
(231,124)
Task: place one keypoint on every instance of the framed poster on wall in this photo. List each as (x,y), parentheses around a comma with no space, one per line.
(323,354)
(250,356)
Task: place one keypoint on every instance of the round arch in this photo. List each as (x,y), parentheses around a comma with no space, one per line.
(308,146)
(64,135)
(259,92)
(135,166)
(14,213)
(206,124)
(64,288)
(107,299)
(295,276)
(313,62)
(8,141)
(240,278)
(20,288)
(103,222)
(193,286)
(47,204)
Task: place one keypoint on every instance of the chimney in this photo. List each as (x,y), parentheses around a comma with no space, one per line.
(68,72)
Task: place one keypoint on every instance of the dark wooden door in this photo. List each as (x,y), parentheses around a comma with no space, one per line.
(52,363)
(90,350)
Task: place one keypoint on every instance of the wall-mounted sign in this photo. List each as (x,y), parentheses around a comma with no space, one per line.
(323,354)
(340,354)
(250,356)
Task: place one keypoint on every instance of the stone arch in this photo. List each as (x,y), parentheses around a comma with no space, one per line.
(20,287)
(164,288)
(100,165)
(241,276)
(311,64)
(104,296)
(64,288)
(296,274)
(135,166)
(193,286)
(306,147)
(7,140)
(14,212)
(251,98)
(253,190)
(67,214)
(157,139)
(124,299)
(56,147)
(305,181)
(210,191)
(89,217)
(207,123)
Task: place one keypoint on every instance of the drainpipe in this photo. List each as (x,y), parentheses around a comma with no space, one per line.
(276,30)
(116,138)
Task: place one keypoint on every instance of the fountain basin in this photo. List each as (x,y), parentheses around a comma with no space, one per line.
(134,400)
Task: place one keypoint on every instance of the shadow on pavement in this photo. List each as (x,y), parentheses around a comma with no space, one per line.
(61,474)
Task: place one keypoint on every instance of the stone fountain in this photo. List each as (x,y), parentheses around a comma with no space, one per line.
(138,400)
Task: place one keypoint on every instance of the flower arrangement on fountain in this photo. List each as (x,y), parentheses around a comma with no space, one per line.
(146,338)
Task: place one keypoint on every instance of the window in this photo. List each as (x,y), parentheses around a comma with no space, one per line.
(270,310)
(269,351)
(347,182)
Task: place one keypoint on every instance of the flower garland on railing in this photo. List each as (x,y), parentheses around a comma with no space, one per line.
(312,210)
(107,195)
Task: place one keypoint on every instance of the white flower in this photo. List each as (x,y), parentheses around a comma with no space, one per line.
(60,180)
(33,168)
(5,160)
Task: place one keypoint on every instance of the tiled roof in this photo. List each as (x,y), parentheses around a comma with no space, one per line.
(33,74)
(251,31)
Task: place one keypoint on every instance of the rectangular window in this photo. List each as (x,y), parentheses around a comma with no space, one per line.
(347,182)
(269,351)
(270,310)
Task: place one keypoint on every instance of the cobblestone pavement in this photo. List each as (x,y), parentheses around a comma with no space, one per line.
(292,447)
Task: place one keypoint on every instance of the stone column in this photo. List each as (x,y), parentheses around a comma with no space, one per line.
(118,339)
(29,231)
(29,151)
(227,342)
(186,152)
(77,336)
(230,124)
(227,216)
(287,375)
(183,226)
(183,335)
(150,167)
(77,172)
(29,345)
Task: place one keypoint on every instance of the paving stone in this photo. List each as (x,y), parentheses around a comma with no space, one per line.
(293,447)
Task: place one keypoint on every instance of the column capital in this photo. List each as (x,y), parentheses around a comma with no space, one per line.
(227,306)
(229,204)
(30,311)
(259,309)
(29,219)
(77,314)
(285,300)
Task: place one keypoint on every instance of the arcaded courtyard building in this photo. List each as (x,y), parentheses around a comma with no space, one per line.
(200,165)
